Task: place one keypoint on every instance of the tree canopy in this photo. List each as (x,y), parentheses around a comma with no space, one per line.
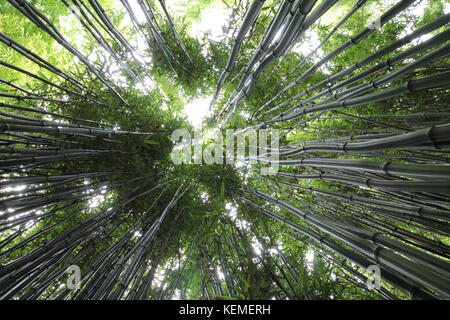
(91,92)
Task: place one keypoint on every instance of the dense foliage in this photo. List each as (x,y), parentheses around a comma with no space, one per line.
(92,90)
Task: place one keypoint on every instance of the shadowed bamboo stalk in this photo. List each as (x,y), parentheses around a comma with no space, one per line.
(363,247)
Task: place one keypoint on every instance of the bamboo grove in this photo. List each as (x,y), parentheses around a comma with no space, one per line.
(91,91)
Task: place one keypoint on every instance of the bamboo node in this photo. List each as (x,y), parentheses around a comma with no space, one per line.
(344,147)
(385,167)
(376,252)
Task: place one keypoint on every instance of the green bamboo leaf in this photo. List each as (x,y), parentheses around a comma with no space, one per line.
(152,142)
(226,298)
(222,190)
